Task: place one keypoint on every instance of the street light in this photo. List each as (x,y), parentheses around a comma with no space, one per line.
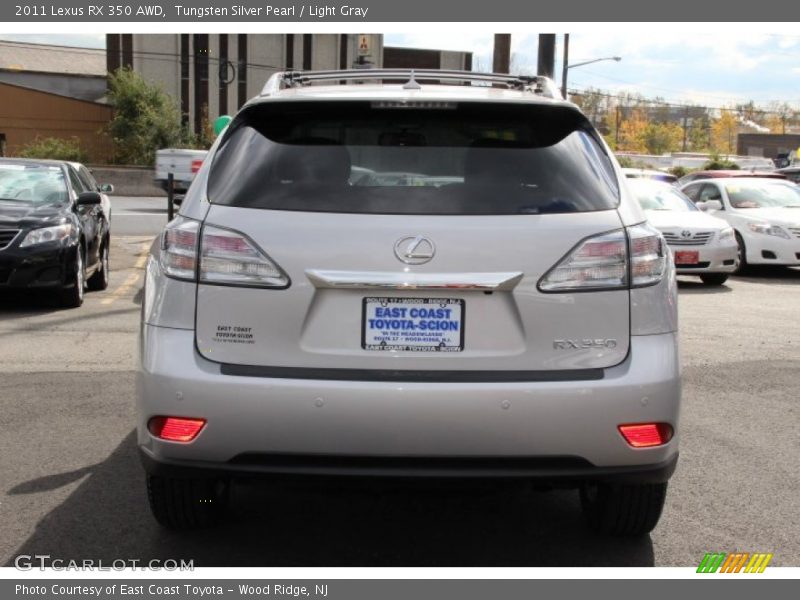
(566,67)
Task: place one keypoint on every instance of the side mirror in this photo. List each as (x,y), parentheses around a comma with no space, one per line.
(713,205)
(107,188)
(89,199)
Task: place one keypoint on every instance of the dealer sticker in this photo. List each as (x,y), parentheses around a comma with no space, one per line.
(413,324)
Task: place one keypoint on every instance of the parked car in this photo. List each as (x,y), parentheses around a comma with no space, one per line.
(54,232)
(765,214)
(726,173)
(520,323)
(791,173)
(701,245)
(632,173)
(90,185)
(183,163)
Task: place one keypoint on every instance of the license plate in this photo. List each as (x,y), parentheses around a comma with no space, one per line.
(413,324)
(687,257)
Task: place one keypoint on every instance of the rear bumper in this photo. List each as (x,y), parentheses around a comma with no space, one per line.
(559,470)
(552,429)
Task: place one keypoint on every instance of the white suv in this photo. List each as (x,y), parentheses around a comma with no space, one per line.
(503,311)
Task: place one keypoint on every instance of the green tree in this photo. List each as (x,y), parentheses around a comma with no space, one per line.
(698,134)
(145,119)
(659,138)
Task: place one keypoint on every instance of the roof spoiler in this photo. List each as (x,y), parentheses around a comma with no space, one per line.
(542,86)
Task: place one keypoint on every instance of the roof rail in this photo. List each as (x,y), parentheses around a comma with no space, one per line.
(533,83)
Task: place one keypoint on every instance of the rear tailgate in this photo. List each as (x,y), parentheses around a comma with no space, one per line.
(432,262)
(336,261)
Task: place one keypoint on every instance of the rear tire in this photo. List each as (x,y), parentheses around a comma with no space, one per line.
(623,510)
(714,278)
(741,252)
(183,504)
(99,281)
(72,296)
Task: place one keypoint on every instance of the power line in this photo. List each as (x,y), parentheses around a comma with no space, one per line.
(644,100)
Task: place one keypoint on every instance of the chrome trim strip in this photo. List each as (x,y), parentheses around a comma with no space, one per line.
(368,280)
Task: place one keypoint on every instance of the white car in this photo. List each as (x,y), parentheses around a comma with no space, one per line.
(765,214)
(701,244)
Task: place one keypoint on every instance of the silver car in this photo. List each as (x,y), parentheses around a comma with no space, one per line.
(518,322)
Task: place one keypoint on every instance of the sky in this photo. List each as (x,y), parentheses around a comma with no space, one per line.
(714,67)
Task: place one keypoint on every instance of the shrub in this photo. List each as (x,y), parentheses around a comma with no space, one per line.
(55,148)
(625,161)
(679,171)
(717,163)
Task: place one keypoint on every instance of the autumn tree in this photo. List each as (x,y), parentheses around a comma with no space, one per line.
(780,115)
(632,131)
(724,131)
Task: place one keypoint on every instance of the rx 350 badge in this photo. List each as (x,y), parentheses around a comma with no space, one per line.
(584,344)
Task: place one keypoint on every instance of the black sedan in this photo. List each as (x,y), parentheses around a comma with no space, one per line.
(54,230)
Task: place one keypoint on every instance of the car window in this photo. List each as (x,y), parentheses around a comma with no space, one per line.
(381,158)
(32,183)
(88,181)
(693,191)
(762,194)
(77,184)
(710,192)
(660,196)
(793,176)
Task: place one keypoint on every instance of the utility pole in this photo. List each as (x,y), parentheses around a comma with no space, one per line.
(565,67)
(547,55)
(501,59)
(685,125)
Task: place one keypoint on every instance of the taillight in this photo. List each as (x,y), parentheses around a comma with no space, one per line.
(179,249)
(228,257)
(197,164)
(632,257)
(175,429)
(598,262)
(646,435)
(648,255)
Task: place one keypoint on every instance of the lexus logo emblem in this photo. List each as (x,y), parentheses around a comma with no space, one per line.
(686,234)
(414,250)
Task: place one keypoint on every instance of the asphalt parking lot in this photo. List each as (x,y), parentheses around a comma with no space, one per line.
(71,485)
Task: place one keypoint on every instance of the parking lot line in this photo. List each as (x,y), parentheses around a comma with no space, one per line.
(131,279)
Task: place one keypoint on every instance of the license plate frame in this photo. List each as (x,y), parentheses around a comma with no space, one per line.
(402,340)
(687,257)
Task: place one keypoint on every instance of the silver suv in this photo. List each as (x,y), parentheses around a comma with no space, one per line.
(494,306)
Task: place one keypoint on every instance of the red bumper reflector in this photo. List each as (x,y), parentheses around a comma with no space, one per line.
(645,435)
(175,429)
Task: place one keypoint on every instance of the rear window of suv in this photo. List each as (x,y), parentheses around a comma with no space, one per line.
(416,158)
